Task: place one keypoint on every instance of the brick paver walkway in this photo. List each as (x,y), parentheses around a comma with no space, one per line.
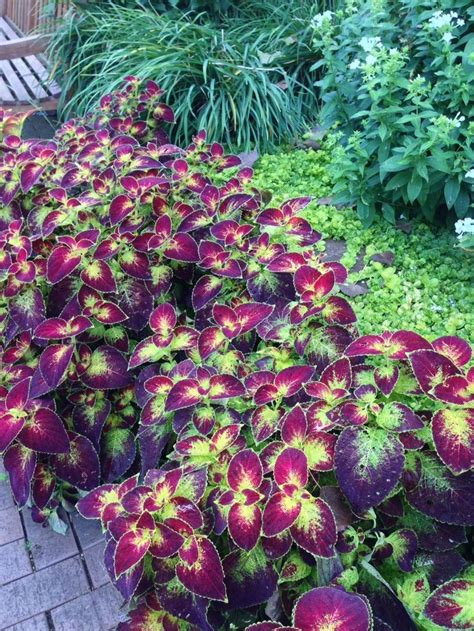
(50,582)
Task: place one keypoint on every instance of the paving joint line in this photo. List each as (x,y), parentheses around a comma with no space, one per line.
(81,555)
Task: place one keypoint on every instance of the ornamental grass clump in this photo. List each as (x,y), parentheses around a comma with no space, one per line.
(177,359)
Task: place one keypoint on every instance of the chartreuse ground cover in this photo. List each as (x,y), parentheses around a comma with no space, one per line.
(180,363)
(424,281)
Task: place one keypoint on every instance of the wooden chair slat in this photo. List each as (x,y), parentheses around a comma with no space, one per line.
(24,78)
(46,87)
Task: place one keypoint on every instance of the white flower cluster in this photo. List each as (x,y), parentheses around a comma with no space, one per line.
(369,43)
(441,20)
(319,19)
(464,226)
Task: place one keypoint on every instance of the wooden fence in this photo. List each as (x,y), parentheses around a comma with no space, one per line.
(30,15)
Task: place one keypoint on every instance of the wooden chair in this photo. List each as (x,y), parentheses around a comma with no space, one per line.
(25,82)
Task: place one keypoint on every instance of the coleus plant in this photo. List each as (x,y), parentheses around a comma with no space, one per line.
(177,359)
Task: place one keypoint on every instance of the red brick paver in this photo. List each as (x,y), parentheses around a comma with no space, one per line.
(51,582)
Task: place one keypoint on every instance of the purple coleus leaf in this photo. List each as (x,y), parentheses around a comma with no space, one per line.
(98,275)
(107,370)
(453,436)
(20,463)
(133,545)
(80,466)
(44,431)
(329,605)
(127,584)
(188,392)
(250,578)
(439,494)
(369,463)
(117,454)
(450,606)
(431,369)
(62,262)
(54,362)
(28,309)
(201,572)
(58,328)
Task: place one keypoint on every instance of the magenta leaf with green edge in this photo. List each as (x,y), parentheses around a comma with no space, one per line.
(118,451)
(10,426)
(337,310)
(368,463)
(61,263)
(453,437)
(44,431)
(131,548)
(386,378)
(291,468)
(183,394)
(245,471)
(431,369)
(59,328)
(54,362)
(204,576)
(165,542)
(245,524)
(328,605)
(366,345)
(91,506)
(315,528)
(454,348)
(120,207)
(163,320)
(455,390)
(294,427)
(107,370)
(20,463)
(80,466)
(127,584)
(451,605)
(205,290)
(98,275)
(439,494)
(280,512)
(250,578)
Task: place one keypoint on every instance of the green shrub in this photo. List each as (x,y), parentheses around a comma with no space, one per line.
(246,79)
(428,287)
(399,83)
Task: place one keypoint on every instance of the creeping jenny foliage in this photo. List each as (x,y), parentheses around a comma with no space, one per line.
(177,357)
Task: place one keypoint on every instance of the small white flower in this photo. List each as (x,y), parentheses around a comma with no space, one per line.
(320,18)
(355,64)
(464,226)
(470,174)
(369,43)
(447,37)
(370,60)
